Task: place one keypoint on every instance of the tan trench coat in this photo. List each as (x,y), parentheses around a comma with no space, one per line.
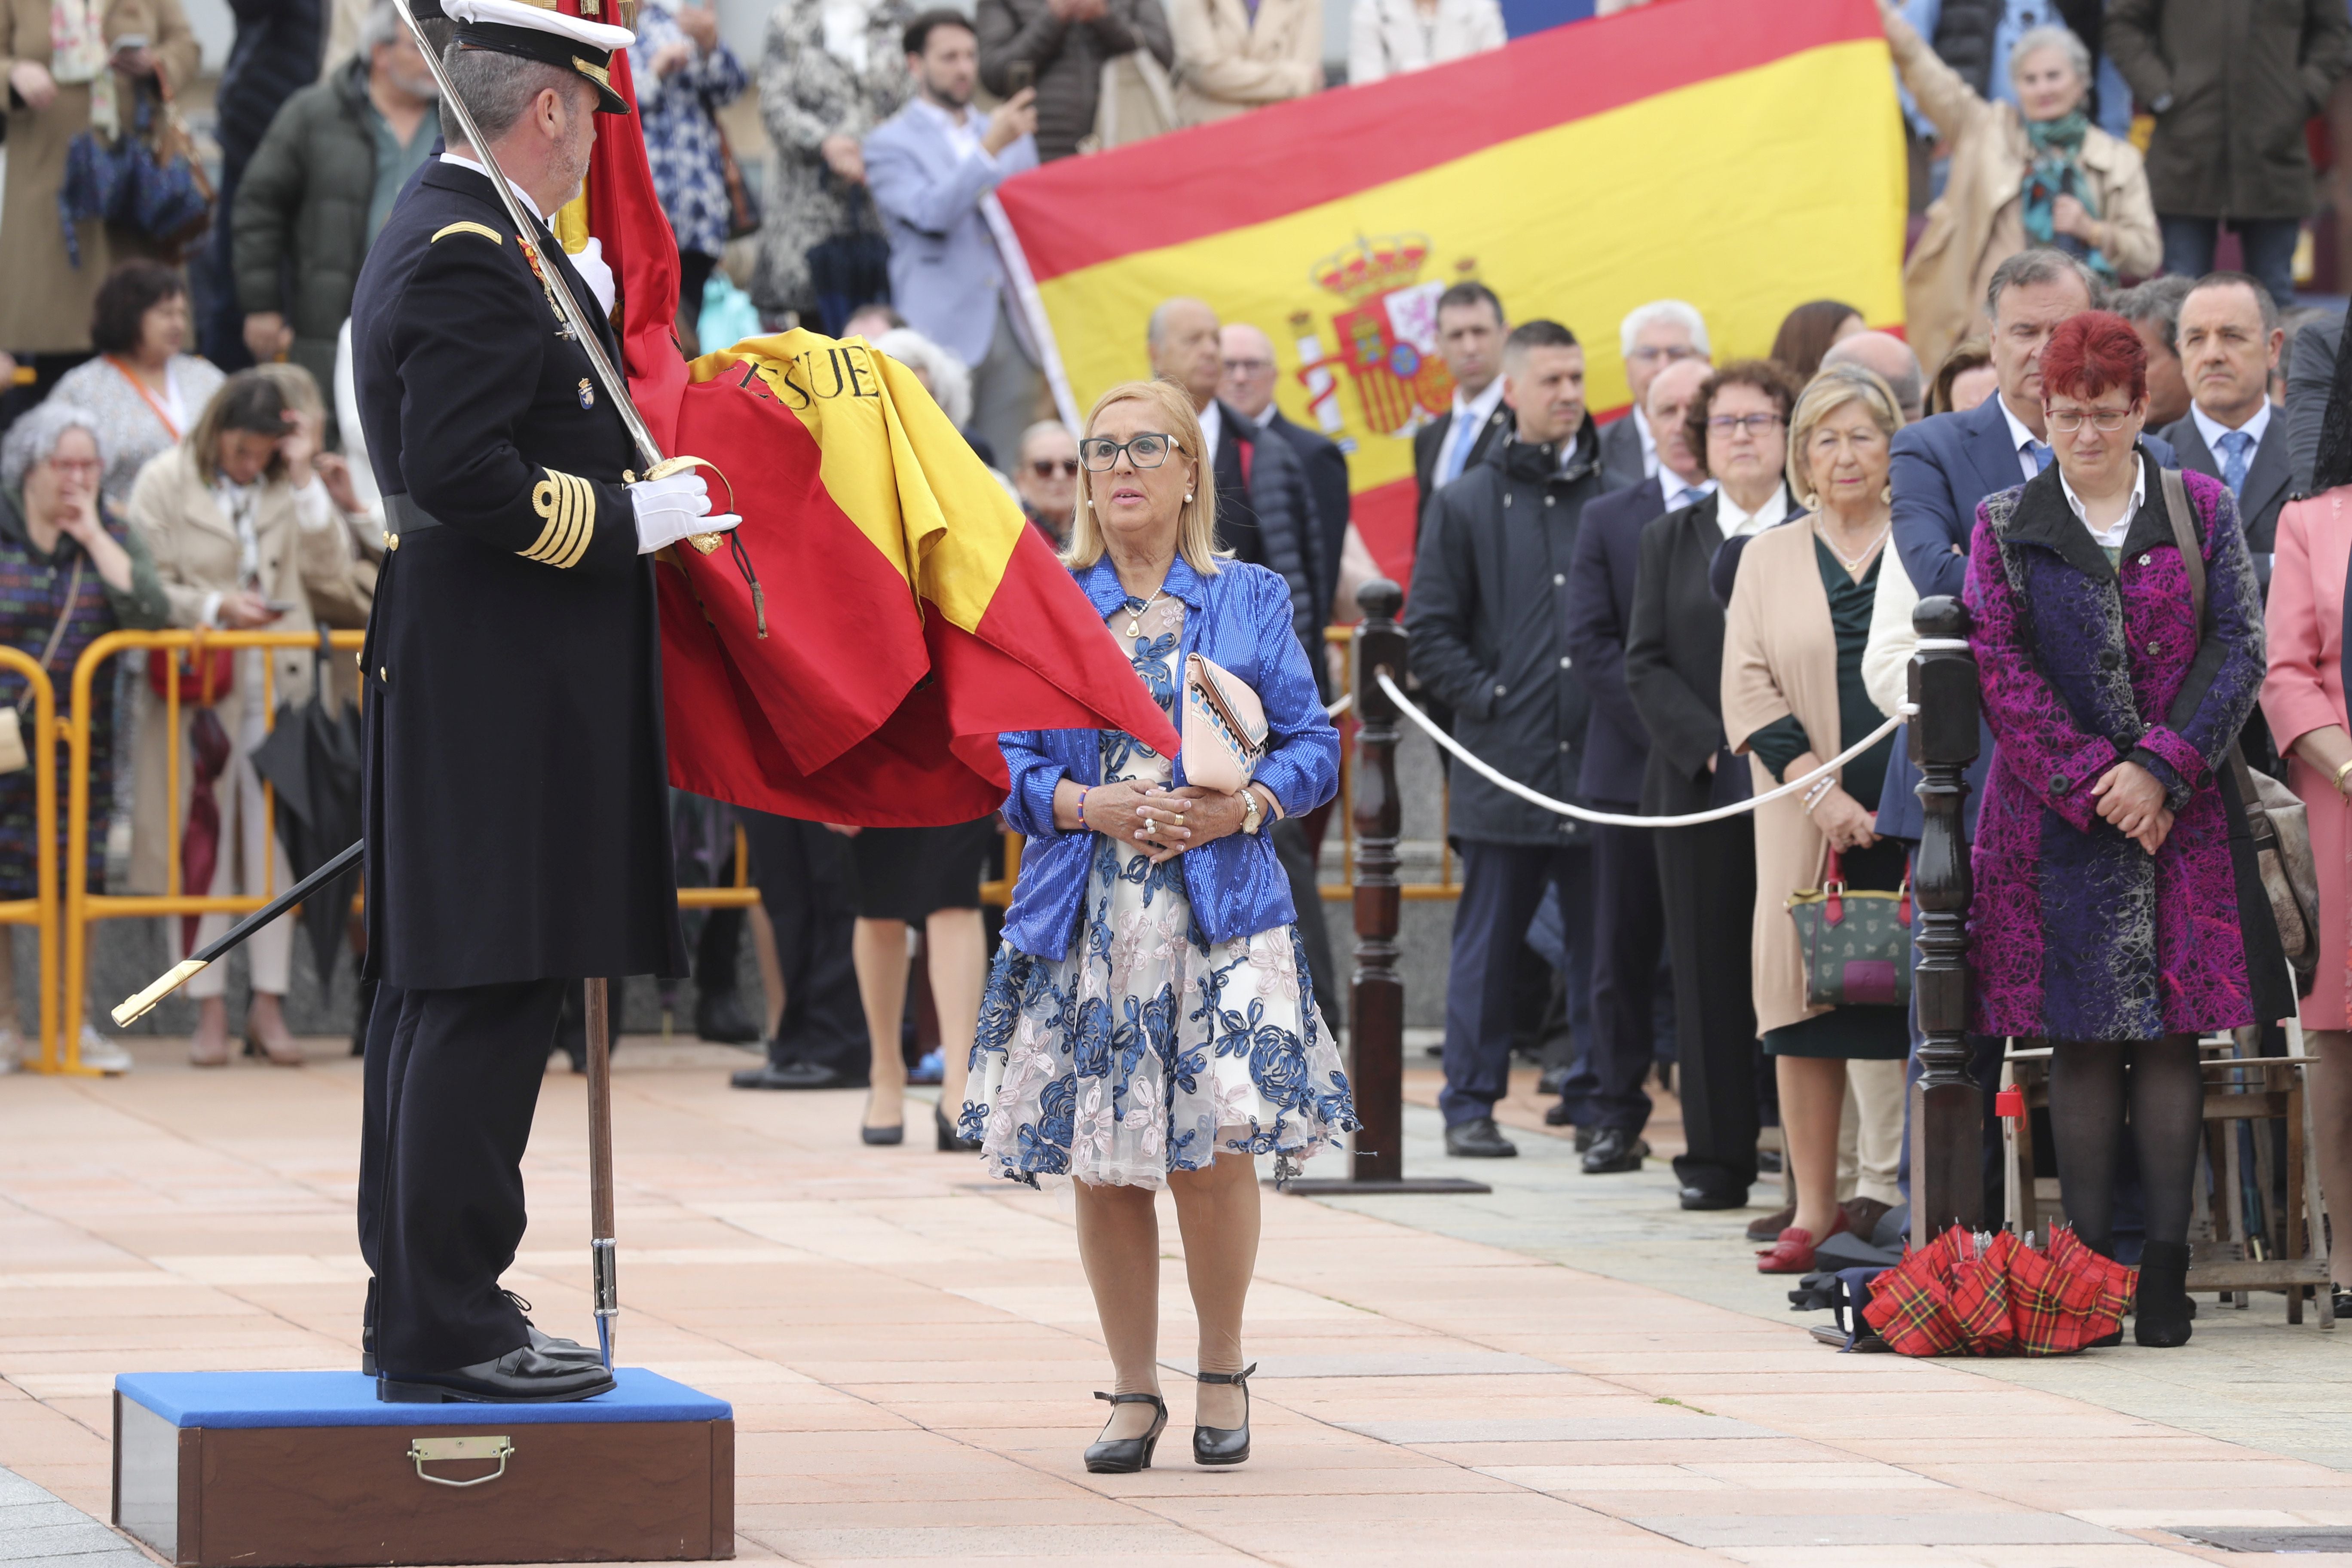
(45,304)
(1225,65)
(1978,222)
(1780,657)
(196,550)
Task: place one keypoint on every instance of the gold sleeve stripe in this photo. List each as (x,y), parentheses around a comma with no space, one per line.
(567,505)
(484,230)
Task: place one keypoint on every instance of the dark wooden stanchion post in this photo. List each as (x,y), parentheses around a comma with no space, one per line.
(1947,1104)
(1377,1000)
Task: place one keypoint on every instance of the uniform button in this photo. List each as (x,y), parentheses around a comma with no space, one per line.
(1548,499)
(1563,745)
(1564,664)
(1498,688)
(1558,578)
(383,673)
(1506,498)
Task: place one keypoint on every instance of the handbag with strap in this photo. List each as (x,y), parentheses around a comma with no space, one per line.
(1224,727)
(13,755)
(1855,942)
(742,203)
(2275,817)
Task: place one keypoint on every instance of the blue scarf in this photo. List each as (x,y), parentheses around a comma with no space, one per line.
(2052,172)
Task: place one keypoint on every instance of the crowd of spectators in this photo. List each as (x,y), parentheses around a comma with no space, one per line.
(1663,613)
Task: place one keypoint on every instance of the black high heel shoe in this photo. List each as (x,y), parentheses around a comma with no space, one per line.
(1125,1455)
(948,1142)
(1224,1444)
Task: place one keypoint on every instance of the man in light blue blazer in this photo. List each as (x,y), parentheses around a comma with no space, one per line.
(933,168)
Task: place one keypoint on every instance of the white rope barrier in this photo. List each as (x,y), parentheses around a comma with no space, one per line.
(1610,818)
(1341,707)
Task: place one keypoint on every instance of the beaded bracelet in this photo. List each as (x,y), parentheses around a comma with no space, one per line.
(1815,795)
(1083,791)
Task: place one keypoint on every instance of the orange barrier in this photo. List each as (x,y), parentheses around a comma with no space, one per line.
(40,911)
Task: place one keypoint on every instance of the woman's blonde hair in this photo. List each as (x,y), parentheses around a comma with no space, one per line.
(1832,389)
(1196,529)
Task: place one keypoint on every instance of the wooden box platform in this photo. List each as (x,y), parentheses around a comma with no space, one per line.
(264,1469)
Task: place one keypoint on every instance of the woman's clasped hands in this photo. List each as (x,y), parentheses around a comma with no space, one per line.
(1165,822)
(2130,797)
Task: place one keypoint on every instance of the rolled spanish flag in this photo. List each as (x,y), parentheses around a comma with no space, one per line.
(1744,157)
(912,613)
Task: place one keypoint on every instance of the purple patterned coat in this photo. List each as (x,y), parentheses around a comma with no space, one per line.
(2076,933)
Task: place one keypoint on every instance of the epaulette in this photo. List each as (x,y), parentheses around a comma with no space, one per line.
(468,227)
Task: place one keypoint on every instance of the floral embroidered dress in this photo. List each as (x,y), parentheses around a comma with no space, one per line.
(1147,1047)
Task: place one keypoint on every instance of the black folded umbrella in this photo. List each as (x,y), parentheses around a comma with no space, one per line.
(311,758)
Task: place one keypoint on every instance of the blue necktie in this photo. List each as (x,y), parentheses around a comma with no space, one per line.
(1457,448)
(2233,462)
(2040,452)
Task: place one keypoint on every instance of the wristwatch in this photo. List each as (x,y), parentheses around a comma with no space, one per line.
(1250,810)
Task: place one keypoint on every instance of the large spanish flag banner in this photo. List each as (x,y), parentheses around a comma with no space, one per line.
(1744,157)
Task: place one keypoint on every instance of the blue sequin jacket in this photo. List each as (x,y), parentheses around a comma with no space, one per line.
(1241,618)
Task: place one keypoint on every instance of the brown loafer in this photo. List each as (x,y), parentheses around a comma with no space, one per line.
(1769,1227)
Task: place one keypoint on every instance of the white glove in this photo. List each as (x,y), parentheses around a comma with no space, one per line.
(670,508)
(596,272)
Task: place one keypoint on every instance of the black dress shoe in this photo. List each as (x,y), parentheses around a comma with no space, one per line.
(1560,1115)
(886,1137)
(1125,1455)
(1224,1444)
(545,1344)
(1478,1140)
(791,1075)
(948,1142)
(1614,1152)
(720,1016)
(1698,1197)
(524,1376)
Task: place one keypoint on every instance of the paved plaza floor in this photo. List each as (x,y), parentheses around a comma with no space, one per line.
(1570,1371)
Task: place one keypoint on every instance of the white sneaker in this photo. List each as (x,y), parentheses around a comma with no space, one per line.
(12,1052)
(98,1051)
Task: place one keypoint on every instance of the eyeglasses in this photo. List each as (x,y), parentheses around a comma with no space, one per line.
(1670,353)
(1043,467)
(1148,450)
(1757,425)
(2108,421)
(76,465)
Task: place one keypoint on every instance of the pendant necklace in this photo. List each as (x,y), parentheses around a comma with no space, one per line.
(1136,611)
(1864,555)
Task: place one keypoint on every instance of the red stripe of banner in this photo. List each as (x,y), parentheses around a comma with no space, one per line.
(1077,212)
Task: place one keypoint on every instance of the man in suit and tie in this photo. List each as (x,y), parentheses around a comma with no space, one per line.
(1628,935)
(1650,337)
(933,168)
(1248,386)
(1470,329)
(2229,342)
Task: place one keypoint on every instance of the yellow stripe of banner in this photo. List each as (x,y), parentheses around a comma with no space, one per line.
(1745,195)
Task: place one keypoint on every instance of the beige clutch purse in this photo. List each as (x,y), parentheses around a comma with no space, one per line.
(1224,727)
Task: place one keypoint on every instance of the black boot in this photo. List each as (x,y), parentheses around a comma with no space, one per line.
(2163,1310)
(719,1011)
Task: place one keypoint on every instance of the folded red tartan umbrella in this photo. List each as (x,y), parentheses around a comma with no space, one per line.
(1998,1297)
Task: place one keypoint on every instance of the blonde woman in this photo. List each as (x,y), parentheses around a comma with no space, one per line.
(244,536)
(1793,697)
(1150,1022)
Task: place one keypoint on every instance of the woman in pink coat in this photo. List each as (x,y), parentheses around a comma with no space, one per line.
(2302,699)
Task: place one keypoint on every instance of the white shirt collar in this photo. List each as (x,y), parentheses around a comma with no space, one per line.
(2019,437)
(963,134)
(523,196)
(2212,429)
(1213,427)
(1649,444)
(1266,416)
(1679,491)
(2112,537)
(1733,521)
(1482,407)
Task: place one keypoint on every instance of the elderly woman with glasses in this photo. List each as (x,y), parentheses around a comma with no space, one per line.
(1149,1021)
(2033,173)
(70,571)
(2110,866)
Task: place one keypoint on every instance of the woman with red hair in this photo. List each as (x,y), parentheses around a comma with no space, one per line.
(2107,919)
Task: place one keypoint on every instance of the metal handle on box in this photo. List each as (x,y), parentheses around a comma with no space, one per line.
(423,1451)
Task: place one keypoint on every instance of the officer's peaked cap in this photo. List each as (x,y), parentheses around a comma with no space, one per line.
(536,32)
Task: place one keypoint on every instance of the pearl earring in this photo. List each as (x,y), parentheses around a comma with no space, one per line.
(1886,493)
(1188,498)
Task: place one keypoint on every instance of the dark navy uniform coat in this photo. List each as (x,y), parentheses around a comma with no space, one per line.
(516,791)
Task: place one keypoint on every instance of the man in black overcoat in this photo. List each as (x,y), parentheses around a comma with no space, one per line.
(516,791)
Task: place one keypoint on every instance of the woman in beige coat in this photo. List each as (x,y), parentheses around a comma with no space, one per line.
(1793,697)
(244,536)
(1229,61)
(2044,176)
(45,302)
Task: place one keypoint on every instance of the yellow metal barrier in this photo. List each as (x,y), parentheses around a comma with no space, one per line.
(737,894)
(40,911)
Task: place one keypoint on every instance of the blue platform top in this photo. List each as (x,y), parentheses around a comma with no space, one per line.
(220,1399)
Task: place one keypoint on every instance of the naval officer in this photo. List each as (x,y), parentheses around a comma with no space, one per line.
(516,790)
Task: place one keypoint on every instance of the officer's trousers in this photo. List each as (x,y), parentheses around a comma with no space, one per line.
(452,1080)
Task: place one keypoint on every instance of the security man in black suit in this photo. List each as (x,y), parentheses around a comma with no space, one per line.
(2229,338)
(1470,328)
(516,793)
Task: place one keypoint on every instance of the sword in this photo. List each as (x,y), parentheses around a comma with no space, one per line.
(604,1261)
(187,969)
(576,322)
